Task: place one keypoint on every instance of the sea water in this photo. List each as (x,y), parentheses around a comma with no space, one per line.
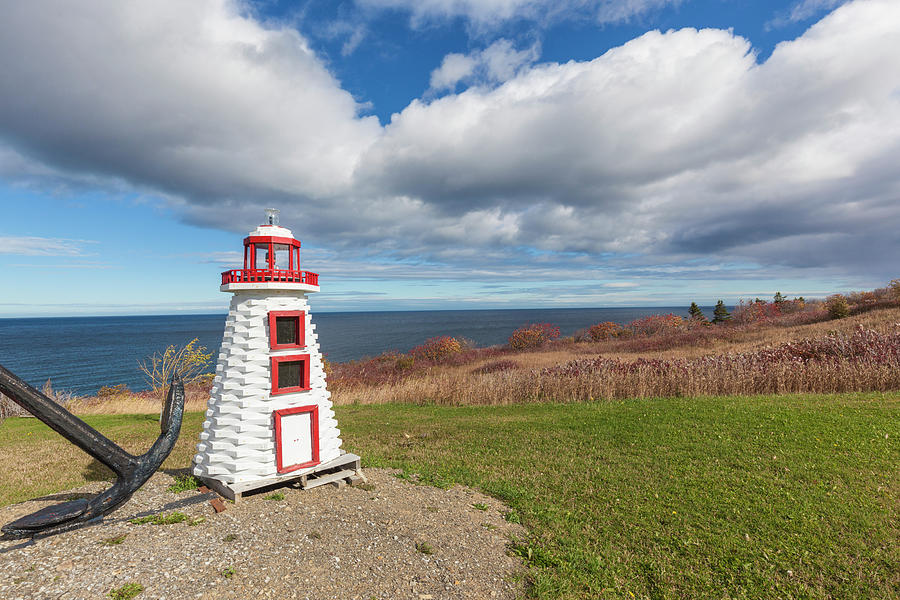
(81,354)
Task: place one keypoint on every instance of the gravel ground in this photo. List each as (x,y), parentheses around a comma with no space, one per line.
(321,543)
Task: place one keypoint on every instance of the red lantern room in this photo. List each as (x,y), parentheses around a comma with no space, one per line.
(271,255)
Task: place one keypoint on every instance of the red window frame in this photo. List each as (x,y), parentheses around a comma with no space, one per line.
(304,384)
(314,436)
(301,329)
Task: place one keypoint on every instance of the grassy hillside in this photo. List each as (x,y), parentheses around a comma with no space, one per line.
(756,497)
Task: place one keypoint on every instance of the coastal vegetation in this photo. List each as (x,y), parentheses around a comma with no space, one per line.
(670,457)
(739,497)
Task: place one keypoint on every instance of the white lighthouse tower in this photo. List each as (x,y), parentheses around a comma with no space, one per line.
(269,417)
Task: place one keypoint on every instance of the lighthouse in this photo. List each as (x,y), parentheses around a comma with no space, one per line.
(269,419)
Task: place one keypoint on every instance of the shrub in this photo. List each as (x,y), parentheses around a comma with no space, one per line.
(837,306)
(604,331)
(111,391)
(190,361)
(894,287)
(757,311)
(405,363)
(437,348)
(656,324)
(533,335)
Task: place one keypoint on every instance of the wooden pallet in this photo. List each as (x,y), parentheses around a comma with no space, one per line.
(338,472)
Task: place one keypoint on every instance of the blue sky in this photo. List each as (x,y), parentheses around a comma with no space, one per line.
(437,154)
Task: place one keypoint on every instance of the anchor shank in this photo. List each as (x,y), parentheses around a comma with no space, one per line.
(65,423)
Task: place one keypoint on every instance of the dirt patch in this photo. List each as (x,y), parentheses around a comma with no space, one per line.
(392,539)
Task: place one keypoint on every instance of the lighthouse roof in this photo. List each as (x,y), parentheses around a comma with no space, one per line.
(273,231)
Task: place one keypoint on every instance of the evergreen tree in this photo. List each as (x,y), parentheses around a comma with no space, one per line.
(696,313)
(779,298)
(720,314)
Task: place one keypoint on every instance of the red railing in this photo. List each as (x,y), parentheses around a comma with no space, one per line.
(264,275)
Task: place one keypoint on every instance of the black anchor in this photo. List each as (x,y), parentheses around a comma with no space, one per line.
(131,471)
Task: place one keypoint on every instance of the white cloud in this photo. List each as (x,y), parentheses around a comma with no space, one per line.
(677,144)
(192,97)
(41,246)
(676,153)
(495,64)
(485,14)
(803,10)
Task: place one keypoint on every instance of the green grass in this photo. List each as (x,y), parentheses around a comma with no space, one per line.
(161,519)
(184,483)
(785,497)
(275,496)
(679,498)
(36,461)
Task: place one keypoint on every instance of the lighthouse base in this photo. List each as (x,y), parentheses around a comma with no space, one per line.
(344,468)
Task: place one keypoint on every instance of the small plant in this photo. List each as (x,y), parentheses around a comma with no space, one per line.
(197,521)
(126,592)
(184,483)
(230,537)
(275,496)
(480,506)
(489,526)
(365,486)
(228,572)
(114,541)
(424,548)
(189,361)
(314,535)
(533,335)
(161,519)
(512,517)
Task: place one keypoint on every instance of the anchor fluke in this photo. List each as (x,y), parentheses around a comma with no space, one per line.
(131,471)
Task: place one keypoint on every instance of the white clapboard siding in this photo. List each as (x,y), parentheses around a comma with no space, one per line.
(237,444)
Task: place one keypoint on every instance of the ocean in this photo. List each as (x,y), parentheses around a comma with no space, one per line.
(81,354)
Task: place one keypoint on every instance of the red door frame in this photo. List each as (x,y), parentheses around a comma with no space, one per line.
(314,436)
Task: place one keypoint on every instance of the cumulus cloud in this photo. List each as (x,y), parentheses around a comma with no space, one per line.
(677,144)
(485,14)
(495,64)
(193,98)
(677,154)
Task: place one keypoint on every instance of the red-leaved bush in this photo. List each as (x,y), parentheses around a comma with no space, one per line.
(533,335)
(437,348)
(604,331)
(656,324)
